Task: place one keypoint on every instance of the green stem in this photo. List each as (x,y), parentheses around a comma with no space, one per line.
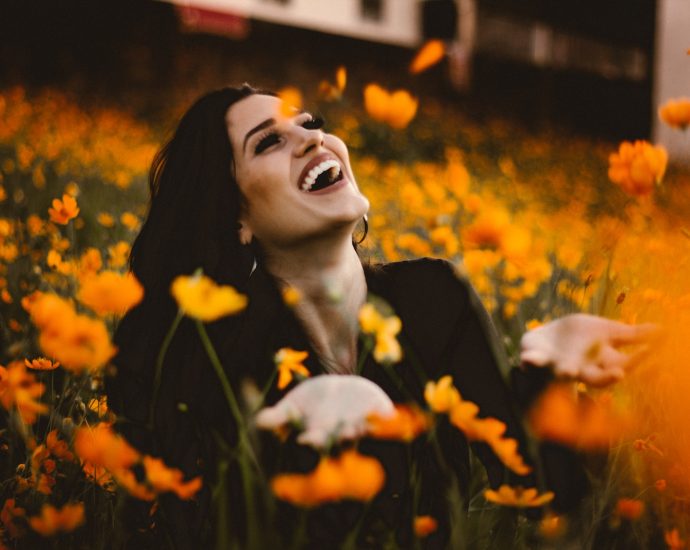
(243,445)
(158,374)
(367,346)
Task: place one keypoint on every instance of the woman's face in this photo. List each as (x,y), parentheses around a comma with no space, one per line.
(296,180)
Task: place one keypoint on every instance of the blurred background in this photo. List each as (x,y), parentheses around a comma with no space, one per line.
(596,68)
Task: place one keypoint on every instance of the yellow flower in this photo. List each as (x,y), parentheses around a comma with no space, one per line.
(110,292)
(105,219)
(129,220)
(676,112)
(118,254)
(396,109)
(53,520)
(291,296)
(350,476)
(289,362)
(199,297)
(424,526)
(518,497)
(387,348)
(441,396)
(63,210)
(637,167)
(429,54)
(330,92)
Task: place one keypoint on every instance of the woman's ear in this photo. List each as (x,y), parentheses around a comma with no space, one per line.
(244,234)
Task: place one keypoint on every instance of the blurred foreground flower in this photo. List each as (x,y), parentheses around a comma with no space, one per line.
(629,508)
(387,348)
(19,389)
(672,537)
(289,363)
(518,497)
(78,342)
(429,54)
(441,396)
(58,520)
(329,408)
(349,476)
(201,298)
(578,421)
(110,292)
(291,101)
(676,113)
(405,425)
(163,479)
(63,210)
(424,526)
(637,167)
(396,109)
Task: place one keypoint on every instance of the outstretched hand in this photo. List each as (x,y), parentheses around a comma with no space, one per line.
(584,347)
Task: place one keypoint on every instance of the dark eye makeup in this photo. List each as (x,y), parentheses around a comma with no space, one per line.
(273,137)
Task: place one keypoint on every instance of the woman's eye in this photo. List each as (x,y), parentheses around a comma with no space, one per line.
(313,123)
(266,142)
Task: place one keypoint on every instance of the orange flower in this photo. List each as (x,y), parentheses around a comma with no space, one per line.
(518,497)
(291,101)
(90,262)
(672,538)
(350,476)
(19,389)
(41,363)
(330,92)
(111,292)
(53,520)
(676,112)
(424,526)
(163,479)
(81,344)
(396,109)
(57,447)
(660,485)
(552,526)
(118,254)
(105,219)
(429,54)
(629,508)
(289,362)
(488,229)
(441,396)
(291,296)
(9,515)
(63,210)
(100,446)
(637,167)
(560,415)
(405,425)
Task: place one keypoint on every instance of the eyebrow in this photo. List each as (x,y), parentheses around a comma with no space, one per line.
(265,124)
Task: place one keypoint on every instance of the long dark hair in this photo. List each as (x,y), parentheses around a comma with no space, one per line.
(192,221)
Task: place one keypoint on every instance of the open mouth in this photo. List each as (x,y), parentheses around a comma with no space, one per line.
(322,175)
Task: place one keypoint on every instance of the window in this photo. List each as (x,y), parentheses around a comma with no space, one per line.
(371,10)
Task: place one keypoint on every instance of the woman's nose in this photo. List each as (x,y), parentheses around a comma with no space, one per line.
(308,140)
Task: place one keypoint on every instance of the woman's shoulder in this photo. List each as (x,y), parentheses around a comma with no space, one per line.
(428,290)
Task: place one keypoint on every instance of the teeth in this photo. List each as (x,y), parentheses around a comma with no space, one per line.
(316,172)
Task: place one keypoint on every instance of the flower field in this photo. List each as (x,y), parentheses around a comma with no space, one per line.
(542,225)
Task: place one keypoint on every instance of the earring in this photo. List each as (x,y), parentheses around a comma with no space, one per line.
(365,220)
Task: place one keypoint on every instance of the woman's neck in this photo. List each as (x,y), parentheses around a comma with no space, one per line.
(330,280)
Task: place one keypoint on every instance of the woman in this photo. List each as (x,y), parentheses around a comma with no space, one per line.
(262,200)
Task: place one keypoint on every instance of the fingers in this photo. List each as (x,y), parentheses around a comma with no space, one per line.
(620,333)
(536,357)
(597,376)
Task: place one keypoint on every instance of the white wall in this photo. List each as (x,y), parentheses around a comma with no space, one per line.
(399,24)
(672,72)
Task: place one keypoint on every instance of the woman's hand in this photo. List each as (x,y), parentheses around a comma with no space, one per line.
(583,347)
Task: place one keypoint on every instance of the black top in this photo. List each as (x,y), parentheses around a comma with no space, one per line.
(445,330)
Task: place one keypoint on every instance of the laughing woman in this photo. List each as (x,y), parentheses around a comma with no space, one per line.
(263,201)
